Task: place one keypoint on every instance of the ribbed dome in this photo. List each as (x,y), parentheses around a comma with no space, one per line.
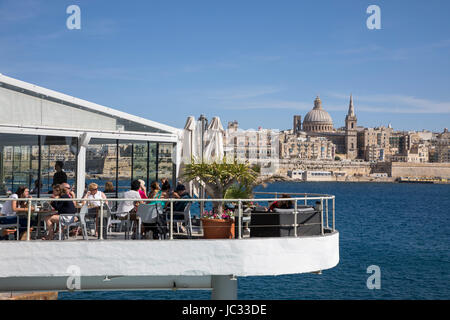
(318,120)
(318,115)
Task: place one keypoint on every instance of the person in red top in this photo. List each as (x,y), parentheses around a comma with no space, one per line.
(286,204)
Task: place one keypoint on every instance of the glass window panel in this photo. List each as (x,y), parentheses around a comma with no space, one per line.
(18,165)
(165,164)
(58,149)
(140,153)
(21,166)
(6,178)
(34,170)
(152,164)
(101,157)
(124,168)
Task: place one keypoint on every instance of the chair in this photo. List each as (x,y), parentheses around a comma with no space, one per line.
(112,221)
(10,225)
(148,213)
(80,223)
(183,216)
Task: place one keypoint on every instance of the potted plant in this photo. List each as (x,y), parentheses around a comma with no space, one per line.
(218,226)
(217,179)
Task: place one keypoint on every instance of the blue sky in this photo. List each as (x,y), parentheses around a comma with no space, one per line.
(258,62)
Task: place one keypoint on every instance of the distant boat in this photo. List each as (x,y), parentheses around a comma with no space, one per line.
(417,180)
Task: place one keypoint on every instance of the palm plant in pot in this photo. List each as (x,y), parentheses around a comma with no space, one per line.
(217,178)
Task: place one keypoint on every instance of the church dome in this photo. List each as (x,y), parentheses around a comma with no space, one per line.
(318,120)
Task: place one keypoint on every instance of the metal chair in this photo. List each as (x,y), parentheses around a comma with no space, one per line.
(147,213)
(80,223)
(111,221)
(183,216)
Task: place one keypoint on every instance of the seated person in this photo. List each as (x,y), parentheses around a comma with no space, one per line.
(155,191)
(95,196)
(286,204)
(126,207)
(11,208)
(142,190)
(166,194)
(165,190)
(63,207)
(180,193)
(109,187)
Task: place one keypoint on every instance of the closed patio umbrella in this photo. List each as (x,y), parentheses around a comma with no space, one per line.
(190,141)
(214,142)
(191,150)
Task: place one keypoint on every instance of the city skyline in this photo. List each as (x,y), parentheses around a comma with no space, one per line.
(256,62)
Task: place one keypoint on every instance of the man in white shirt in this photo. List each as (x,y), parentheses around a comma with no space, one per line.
(127,209)
(126,206)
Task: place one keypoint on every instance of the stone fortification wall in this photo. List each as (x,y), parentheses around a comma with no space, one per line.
(423,170)
(350,168)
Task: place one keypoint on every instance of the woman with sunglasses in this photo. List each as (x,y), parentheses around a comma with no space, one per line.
(94,196)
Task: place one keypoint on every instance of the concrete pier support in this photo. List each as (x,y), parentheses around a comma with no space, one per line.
(224,287)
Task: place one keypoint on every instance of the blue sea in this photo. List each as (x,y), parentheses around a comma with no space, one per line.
(404,229)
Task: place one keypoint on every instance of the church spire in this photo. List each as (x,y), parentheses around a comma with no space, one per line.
(351,109)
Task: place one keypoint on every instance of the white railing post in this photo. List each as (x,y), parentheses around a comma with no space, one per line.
(239,220)
(127,231)
(306,201)
(333,215)
(29,220)
(321,213)
(295,218)
(101,219)
(326,211)
(171,220)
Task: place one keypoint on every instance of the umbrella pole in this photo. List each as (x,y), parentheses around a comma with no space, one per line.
(202,189)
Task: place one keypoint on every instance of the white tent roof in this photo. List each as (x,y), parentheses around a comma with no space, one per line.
(66,100)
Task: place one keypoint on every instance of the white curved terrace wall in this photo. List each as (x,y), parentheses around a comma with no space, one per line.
(244,257)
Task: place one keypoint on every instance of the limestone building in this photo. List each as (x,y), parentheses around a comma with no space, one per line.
(440,149)
(256,147)
(306,147)
(374,143)
(318,123)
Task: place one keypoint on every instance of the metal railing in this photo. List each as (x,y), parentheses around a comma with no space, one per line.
(239,205)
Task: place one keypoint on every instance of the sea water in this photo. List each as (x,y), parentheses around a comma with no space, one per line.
(404,229)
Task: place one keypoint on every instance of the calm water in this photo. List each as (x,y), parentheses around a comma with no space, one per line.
(402,228)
